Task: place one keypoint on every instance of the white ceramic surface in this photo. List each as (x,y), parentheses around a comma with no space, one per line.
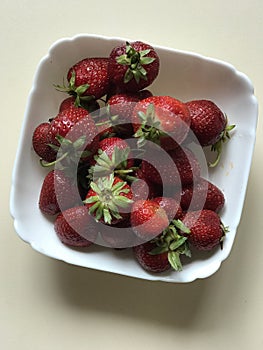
(184,75)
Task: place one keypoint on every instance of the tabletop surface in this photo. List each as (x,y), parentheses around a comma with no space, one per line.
(48,304)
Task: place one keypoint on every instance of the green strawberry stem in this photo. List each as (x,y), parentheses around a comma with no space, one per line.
(174,243)
(109,199)
(149,128)
(135,60)
(218,146)
(70,151)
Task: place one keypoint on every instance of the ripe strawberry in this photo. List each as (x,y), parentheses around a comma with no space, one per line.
(148,219)
(74,129)
(171,207)
(179,170)
(109,199)
(203,195)
(142,188)
(206,229)
(163,252)
(75,227)
(133,66)
(161,119)
(58,192)
(121,106)
(209,125)
(87,79)
(114,155)
(40,143)
(151,262)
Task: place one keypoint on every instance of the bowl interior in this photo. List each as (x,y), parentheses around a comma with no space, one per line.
(183,75)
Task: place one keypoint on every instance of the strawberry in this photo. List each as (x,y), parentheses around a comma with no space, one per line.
(58,192)
(161,119)
(40,143)
(206,229)
(155,263)
(142,188)
(202,195)
(88,80)
(163,252)
(71,132)
(114,155)
(75,227)
(209,125)
(179,169)
(109,199)
(148,219)
(171,207)
(133,66)
(121,106)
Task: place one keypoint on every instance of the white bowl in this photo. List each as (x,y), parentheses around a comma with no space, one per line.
(183,75)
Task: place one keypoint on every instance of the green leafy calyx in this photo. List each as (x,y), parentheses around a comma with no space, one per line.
(135,60)
(109,198)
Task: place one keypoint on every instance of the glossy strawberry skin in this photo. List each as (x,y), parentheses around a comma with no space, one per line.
(152,263)
(148,219)
(171,207)
(181,169)
(40,142)
(172,114)
(92,71)
(203,195)
(117,71)
(58,193)
(207,121)
(206,229)
(142,188)
(72,124)
(122,104)
(75,227)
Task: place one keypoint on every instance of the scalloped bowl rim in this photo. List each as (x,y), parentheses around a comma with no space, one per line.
(195,270)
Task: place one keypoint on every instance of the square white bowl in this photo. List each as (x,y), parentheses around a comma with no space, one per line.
(184,75)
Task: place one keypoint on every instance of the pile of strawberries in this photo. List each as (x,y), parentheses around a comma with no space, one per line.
(122,172)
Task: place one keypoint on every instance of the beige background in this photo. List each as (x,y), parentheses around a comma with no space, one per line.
(47,304)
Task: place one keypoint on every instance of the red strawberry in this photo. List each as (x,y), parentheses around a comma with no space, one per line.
(161,119)
(40,143)
(109,199)
(114,154)
(142,188)
(209,125)
(58,192)
(87,79)
(179,170)
(165,250)
(151,262)
(171,207)
(202,195)
(148,219)
(133,66)
(73,124)
(206,229)
(75,227)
